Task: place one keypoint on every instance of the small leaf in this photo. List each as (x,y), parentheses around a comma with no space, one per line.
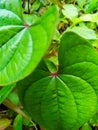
(4,123)
(35,5)
(18,123)
(81,3)
(70,11)
(5,91)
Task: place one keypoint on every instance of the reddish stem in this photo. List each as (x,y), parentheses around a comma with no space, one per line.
(26,25)
(54,74)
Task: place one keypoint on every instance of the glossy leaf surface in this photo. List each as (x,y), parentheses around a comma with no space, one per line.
(66,99)
(22,46)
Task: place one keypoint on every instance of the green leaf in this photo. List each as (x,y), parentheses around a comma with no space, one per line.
(70,11)
(5,91)
(91,5)
(18,123)
(24,46)
(66,99)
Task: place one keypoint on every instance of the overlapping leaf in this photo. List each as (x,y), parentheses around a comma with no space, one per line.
(67,99)
(22,46)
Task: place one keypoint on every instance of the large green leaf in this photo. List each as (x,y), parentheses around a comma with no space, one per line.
(22,46)
(66,99)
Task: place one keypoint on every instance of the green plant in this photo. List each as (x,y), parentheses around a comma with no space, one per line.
(58,93)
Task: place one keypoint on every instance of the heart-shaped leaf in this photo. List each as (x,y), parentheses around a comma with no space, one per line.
(66,99)
(22,46)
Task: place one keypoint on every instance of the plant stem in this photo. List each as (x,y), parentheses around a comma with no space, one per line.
(96,128)
(28,6)
(15,108)
(23,3)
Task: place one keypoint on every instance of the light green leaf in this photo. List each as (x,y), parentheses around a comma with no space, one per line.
(87,18)
(66,99)
(23,47)
(81,3)
(70,11)
(84,32)
(18,123)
